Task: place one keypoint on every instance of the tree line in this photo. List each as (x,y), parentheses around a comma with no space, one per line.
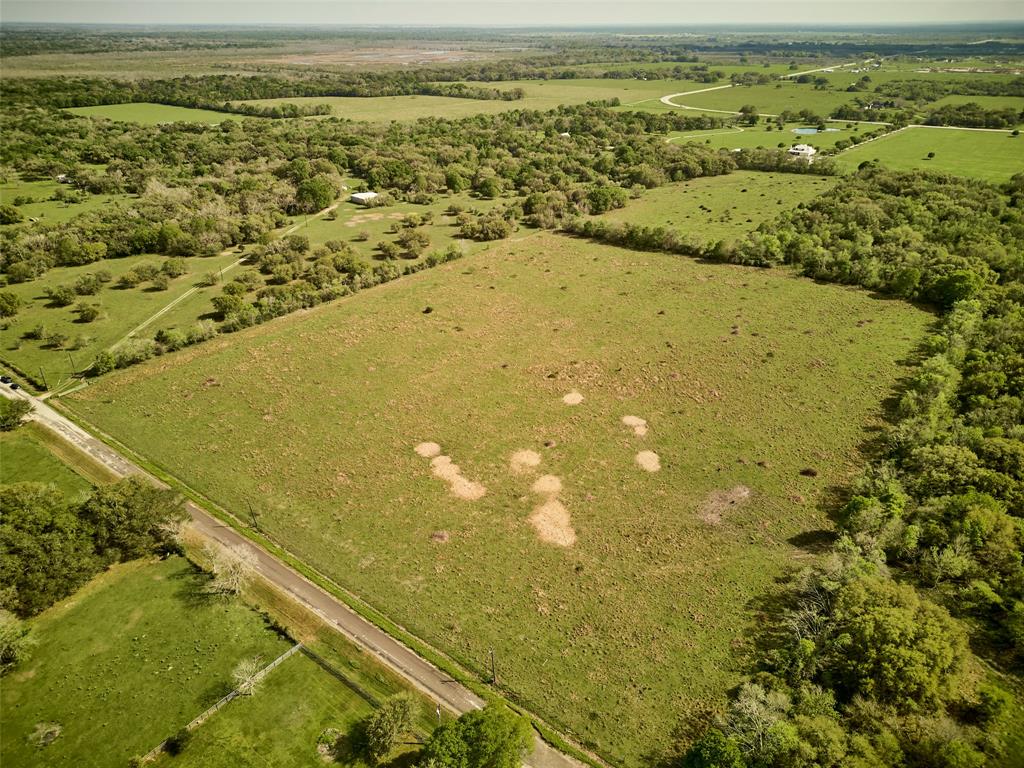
(866,659)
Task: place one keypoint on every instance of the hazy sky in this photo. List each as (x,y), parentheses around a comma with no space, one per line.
(503,12)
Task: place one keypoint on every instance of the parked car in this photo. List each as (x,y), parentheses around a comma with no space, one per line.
(15,385)
(5,379)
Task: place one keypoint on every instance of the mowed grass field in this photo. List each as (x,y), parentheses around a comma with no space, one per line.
(124,663)
(637,625)
(772,98)
(989,155)
(153,114)
(717,207)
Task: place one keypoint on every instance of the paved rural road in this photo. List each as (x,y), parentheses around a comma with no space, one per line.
(420,673)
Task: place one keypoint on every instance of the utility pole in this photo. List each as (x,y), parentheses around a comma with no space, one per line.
(438,714)
(252,514)
(43,375)
(494,674)
(74,368)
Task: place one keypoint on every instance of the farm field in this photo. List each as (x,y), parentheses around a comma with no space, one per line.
(153,114)
(540,95)
(757,136)
(124,663)
(988,102)
(121,310)
(738,202)
(989,155)
(773,98)
(616,598)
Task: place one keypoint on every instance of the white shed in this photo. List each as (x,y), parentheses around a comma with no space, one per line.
(363,198)
(803,151)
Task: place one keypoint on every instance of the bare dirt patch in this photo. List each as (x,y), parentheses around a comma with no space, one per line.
(649,461)
(428,450)
(638,425)
(523,461)
(551,521)
(719,502)
(547,485)
(441,537)
(572,398)
(451,473)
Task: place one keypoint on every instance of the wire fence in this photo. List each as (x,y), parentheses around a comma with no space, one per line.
(206,714)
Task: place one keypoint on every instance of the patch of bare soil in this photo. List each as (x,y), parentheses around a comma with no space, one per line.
(638,425)
(428,450)
(451,473)
(719,502)
(572,398)
(441,537)
(547,485)
(523,461)
(551,522)
(649,461)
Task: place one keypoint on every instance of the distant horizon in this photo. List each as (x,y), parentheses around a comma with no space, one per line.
(525,14)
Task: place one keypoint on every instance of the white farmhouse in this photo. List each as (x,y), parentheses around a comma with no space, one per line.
(363,198)
(803,151)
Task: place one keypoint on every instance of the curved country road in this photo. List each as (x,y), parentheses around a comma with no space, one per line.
(427,678)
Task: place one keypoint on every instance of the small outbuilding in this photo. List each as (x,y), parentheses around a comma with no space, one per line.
(803,151)
(363,198)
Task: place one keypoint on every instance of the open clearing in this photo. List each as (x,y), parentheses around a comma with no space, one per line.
(26,459)
(759,136)
(634,626)
(121,310)
(716,207)
(991,156)
(124,663)
(153,114)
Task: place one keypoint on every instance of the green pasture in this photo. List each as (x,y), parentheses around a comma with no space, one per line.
(745,377)
(124,663)
(153,114)
(988,102)
(25,458)
(277,726)
(752,137)
(990,155)
(773,98)
(732,204)
(349,224)
(45,210)
(122,309)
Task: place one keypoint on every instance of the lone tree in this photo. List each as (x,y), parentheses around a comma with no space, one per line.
(12,412)
(384,728)
(749,114)
(245,675)
(232,568)
(493,737)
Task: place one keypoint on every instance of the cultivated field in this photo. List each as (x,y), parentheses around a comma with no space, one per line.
(153,114)
(124,663)
(719,207)
(990,155)
(619,444)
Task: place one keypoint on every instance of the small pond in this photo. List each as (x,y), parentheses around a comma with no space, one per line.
(808,131)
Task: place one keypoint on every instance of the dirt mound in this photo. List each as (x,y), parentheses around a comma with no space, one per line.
(547,485)
(638,425)
(451,473)
(441,537)
(720,501)
(522,461)
(551,521)
(572,398)
(648,460)
(428,450)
